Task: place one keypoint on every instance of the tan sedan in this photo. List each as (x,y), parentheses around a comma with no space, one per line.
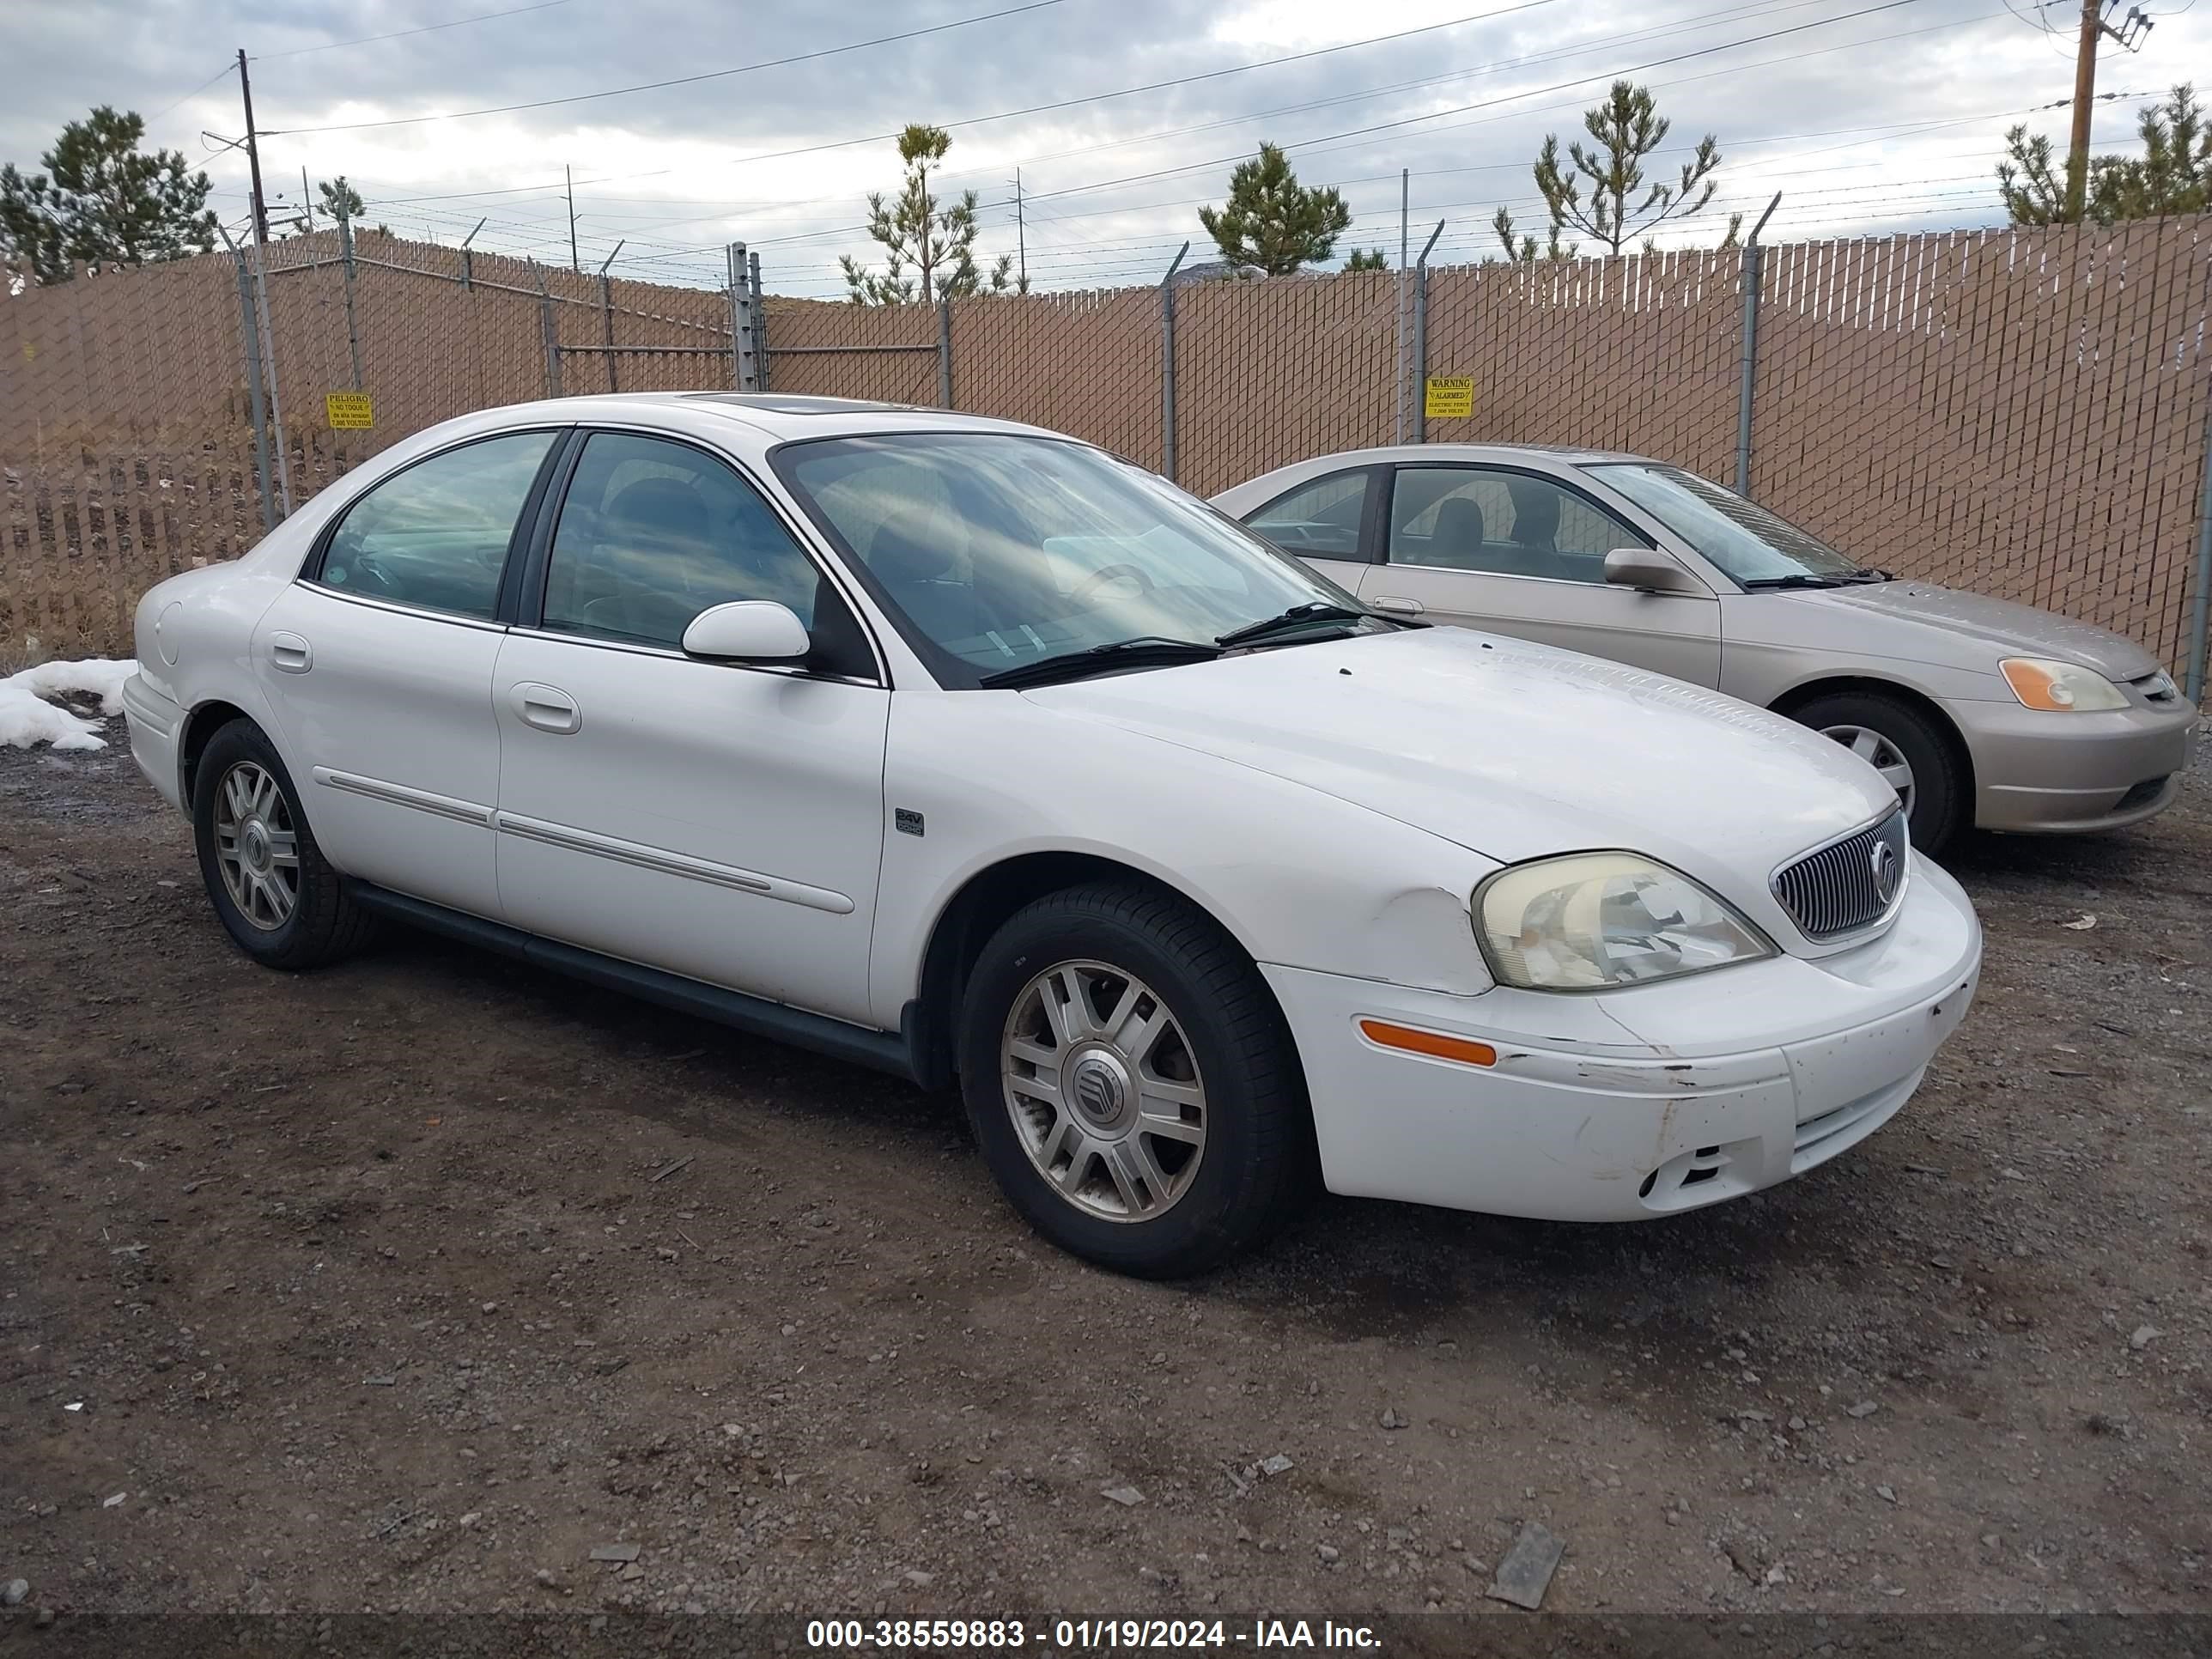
(1977,711)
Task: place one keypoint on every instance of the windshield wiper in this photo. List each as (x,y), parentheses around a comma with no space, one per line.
(1872,573)
(1796,578)
(1151,650)
(1298,615)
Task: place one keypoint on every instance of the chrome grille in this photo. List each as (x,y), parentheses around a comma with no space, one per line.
(1838,890)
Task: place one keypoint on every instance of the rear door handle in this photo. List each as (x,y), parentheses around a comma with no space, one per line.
(290,655)
(1397,607)
(546,707)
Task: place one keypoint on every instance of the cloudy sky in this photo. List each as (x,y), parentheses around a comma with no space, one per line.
(1868,117)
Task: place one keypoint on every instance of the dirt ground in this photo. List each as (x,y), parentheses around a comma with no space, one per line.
(407,1285)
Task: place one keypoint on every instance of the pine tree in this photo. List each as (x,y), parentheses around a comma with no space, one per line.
(1619,210)
(936,243)
(1369,259)
(103,201)
(340,200)
(2172,175)
(1272,221)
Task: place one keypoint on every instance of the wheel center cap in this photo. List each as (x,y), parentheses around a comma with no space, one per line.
(1098,1085)
(254,839)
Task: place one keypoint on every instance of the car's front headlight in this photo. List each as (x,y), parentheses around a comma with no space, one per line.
(1590,920)
(2060,688)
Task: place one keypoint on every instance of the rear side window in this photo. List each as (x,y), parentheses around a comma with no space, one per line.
(1502,523)
(437,535)
(1319,518)
(653,532)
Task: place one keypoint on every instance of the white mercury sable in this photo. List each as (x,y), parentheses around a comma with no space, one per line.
(972,753)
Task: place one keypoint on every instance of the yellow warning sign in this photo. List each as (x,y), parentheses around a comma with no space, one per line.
(352,410)
(1450,397)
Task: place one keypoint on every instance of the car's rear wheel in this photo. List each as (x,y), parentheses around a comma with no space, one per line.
(276,895)
(1913,756)
(1132,1083)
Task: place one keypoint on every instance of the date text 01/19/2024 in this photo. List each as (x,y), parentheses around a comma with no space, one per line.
(1084,1635)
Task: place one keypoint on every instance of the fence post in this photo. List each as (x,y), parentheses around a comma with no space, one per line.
(760,322)
(353,333)
(252,335)
(268,367)
(1421,337)
(2201,609)
(1168,366)
(745,321)
(607,318)
(468,255)
(550,331)
(945,354)
(1754,257)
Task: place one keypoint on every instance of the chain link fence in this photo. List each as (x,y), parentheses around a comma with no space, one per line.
(2021,412)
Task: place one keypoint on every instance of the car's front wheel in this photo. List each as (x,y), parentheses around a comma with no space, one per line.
(1132,1083)
(276,895)
(1913,757)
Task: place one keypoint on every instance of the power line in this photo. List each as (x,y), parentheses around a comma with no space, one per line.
(401,34)
(229,65)
(1386,126)
(678,80)
(1160,86)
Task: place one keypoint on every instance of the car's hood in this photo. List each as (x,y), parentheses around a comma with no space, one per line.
(1983,630)
(1512,749)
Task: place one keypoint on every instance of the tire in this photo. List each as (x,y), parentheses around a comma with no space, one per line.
(321,923)
(1223,1038)
(1942,797)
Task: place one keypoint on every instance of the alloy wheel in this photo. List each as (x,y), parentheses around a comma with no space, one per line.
(257,847)
(1881,754)
(1104,1090)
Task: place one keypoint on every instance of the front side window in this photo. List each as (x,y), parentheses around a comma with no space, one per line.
(437,535)
(653,532)
(1319,518)
(992,551)
(1502,523)
(1756,547)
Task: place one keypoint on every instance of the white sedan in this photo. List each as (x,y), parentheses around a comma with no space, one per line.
(969,751)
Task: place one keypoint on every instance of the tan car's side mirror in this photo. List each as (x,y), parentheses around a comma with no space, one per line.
(1649,570)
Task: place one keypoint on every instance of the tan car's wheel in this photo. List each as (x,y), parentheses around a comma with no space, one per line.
(1914,757)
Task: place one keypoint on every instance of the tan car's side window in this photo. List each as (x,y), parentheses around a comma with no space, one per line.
(1501,523)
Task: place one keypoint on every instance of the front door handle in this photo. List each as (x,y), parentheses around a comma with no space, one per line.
(290,655)
(546,707)
(1397,607)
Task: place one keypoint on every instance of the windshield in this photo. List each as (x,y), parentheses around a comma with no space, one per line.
(993,550)
(1744,539)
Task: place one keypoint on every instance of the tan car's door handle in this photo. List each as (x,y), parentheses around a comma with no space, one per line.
(1397,607)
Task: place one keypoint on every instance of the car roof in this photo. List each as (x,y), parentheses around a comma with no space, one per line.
(775,416)
(1433,452)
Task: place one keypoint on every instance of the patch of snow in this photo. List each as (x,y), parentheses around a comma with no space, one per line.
(27,719)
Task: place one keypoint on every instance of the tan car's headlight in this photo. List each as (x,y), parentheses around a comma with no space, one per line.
(2060,688)
(1590,920)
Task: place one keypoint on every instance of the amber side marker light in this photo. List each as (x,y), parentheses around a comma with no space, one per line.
(1436,1046)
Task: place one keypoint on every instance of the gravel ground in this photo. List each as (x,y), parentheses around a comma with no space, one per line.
(412,1284)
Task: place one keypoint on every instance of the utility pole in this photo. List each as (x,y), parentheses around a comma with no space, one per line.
(253,154)
(1021,234)
(2094,29)
(575,264)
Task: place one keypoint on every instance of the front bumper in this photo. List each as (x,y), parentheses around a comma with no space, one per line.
(2066,774)
(155,724)
(1628,1104)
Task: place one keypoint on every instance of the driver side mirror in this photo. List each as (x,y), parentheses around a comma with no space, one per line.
(747,630)
(1649,570)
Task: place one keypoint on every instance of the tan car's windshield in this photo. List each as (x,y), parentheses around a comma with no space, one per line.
(1758,548)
